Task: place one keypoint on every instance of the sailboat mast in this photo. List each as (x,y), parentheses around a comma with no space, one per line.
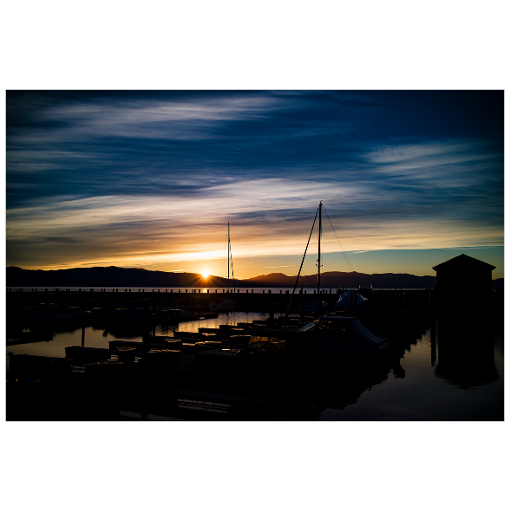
(228,258)
(232,270)
(319,261)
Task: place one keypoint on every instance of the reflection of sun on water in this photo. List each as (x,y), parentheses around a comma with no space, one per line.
(226,318)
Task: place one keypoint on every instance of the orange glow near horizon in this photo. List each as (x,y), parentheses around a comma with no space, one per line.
(205,273)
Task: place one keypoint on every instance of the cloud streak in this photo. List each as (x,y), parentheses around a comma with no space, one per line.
(153,177)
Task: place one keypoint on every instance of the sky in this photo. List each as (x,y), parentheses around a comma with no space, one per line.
(150,179)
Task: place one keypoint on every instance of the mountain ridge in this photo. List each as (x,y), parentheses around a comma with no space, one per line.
(139,277)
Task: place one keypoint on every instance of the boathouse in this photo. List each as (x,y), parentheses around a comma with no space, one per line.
(463,284)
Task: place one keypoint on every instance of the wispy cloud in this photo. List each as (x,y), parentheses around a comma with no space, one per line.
(153,178)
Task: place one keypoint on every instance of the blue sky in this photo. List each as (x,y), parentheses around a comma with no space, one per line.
(150,179)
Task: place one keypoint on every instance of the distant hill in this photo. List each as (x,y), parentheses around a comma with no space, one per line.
(106,277)
(121,277)
(336,279)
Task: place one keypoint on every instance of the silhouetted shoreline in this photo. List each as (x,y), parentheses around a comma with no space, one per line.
(121,277)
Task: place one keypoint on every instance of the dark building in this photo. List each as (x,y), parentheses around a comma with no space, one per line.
(464,285)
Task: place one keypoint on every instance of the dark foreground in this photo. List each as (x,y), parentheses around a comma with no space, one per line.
(196,375)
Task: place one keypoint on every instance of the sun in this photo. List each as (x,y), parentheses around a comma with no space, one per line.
(205,273)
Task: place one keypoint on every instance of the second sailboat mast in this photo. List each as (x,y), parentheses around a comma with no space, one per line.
(319,261)
(228,259)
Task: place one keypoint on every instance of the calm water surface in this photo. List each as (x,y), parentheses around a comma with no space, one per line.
(444,379)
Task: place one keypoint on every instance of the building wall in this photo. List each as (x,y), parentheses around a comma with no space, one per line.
(461,289)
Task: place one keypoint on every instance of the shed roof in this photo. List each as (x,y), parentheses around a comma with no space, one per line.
(463,262)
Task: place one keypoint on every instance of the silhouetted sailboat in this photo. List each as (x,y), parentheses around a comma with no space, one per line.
(226,304)
(327,344)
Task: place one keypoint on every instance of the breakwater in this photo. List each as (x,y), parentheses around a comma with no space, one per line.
(199,298)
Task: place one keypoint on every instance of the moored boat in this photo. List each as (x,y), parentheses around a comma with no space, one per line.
(347,337)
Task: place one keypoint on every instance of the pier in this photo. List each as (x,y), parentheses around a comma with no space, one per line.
(196,300)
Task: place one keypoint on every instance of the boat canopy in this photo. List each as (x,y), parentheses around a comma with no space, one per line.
(350,298)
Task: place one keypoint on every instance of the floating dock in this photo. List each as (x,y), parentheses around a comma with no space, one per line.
(162,377)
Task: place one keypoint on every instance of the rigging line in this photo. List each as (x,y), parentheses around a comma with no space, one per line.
(300,267)
(342,249)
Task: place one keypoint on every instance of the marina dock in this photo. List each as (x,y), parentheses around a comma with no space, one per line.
(159,377)
(169,376)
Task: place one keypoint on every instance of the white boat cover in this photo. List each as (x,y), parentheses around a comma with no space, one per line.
(348,297)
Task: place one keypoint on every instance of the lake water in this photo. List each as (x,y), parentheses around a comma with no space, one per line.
(448,375)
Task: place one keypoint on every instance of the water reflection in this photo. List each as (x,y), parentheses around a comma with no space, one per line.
(338,396)
(124,331)
(227,318)
(133,330)
(453,372)
(433,344)
(465,353)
